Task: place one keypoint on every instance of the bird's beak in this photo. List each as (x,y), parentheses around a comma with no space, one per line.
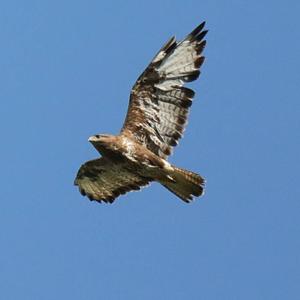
(92,139)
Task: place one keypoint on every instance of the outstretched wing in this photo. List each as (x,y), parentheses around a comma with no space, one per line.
(104,180)
(159,104)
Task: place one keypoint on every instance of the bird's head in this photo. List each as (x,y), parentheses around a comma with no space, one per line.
(99,138)
(102,142)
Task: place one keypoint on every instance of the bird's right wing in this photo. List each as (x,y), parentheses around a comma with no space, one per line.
(103,180)
(159,103)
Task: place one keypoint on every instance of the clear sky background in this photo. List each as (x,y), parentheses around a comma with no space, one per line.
(66,70)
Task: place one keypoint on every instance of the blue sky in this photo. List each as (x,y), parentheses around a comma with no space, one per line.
(66,71)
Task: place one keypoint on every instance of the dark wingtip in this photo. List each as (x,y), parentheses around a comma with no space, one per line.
(168,43)
(82,192)
(90,197)
(196,31)
(75,182)
(201,35)
(192,76)
(199,61)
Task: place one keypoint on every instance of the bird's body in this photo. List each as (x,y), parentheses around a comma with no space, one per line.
(125,148)
(155,121)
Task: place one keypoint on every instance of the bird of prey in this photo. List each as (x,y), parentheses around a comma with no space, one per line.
(156,118)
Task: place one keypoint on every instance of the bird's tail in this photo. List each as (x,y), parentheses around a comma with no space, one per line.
(184,184)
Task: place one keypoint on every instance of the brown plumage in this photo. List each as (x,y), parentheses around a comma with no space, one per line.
(155,121)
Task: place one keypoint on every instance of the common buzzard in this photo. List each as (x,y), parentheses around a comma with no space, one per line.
(155,121)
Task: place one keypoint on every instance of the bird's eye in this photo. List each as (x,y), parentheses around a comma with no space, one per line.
(97,136)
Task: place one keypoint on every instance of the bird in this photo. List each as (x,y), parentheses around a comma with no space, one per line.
(156,119)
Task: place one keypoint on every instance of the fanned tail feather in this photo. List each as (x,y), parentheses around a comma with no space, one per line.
(185,184)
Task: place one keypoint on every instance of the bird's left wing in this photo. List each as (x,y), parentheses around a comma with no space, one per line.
(159,104)
(104,180)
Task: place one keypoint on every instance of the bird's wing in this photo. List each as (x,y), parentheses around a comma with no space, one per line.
(159,104)
(104,180)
